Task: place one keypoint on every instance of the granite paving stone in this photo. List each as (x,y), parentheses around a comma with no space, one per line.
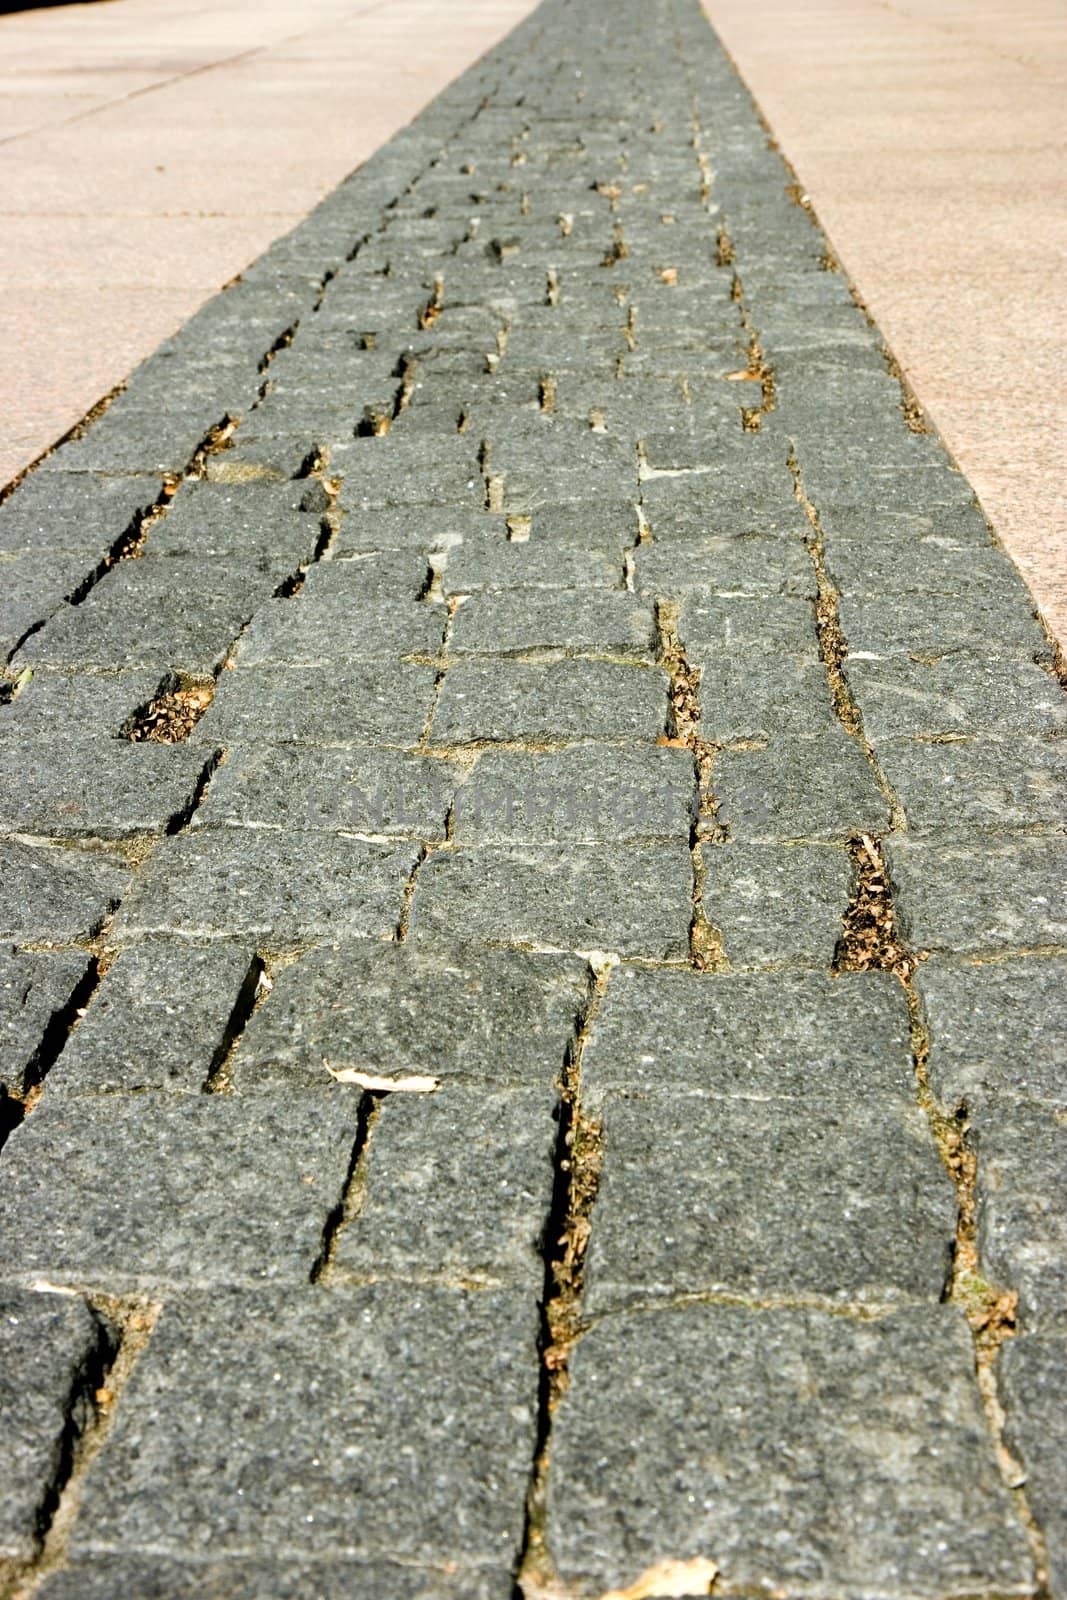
(979,784)
(487,1018)
(291,1424)
(133,1192)
(631,900)
(791,1447)
(157,1022)
(440,696)
(457,1186)
(818,788)
(232,881)
(95,788)
(855,1205)
(1021,1192)
(36,988)
(56,894)
(355,790)
(52,1349)
(356,704)
(1031,1378)
(556,700)
(585,794)
(1001,895)
(996,1028)
(776,905)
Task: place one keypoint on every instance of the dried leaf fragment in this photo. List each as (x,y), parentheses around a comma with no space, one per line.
(669,274)
(373,1083)
(670,1580)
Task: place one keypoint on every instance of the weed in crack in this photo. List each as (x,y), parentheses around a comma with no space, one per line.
(706,949)
(578,1162)
(869,940)
(172,713)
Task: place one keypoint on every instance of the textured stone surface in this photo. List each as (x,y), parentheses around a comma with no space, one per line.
(1006,894)
(456,1186)
(48,893)
(558,700)
(157,1021)
(36,988)
(569,589)
(790,1447)
(854,1202)
(1021,1192)
(105,789)
(775,905)
(52,1349)
(242,881)
(632,901)
(341,1421)
(491,1018)
(583,795)
(1032,1380)
(138,1192)
(997,1028)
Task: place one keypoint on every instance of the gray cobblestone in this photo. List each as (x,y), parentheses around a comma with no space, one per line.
(775,1467)
(53,894)
(557,700)
(457,1186)
(446,753)
(1007,894)
(1032,1378)
(194,1190)
(633,901)
(99,788)
(487,1018)
(774,905)
(820,788)
(156,1023)
(244,1393)
(289,886)
(997,1029)
(49,1347)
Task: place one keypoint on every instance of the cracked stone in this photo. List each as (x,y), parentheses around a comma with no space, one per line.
(35,989)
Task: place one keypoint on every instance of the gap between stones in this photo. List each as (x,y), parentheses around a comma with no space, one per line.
(578,1161)
(125,1325)
(870,941)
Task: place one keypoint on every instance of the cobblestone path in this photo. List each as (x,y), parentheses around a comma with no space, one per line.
(533,909)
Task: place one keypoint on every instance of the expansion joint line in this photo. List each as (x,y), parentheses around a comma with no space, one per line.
(870,941)
(578,1162)
(989,1308)
(833,646)
(706,949)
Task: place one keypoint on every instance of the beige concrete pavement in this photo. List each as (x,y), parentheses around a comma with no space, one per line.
(149,149)
(930,137)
